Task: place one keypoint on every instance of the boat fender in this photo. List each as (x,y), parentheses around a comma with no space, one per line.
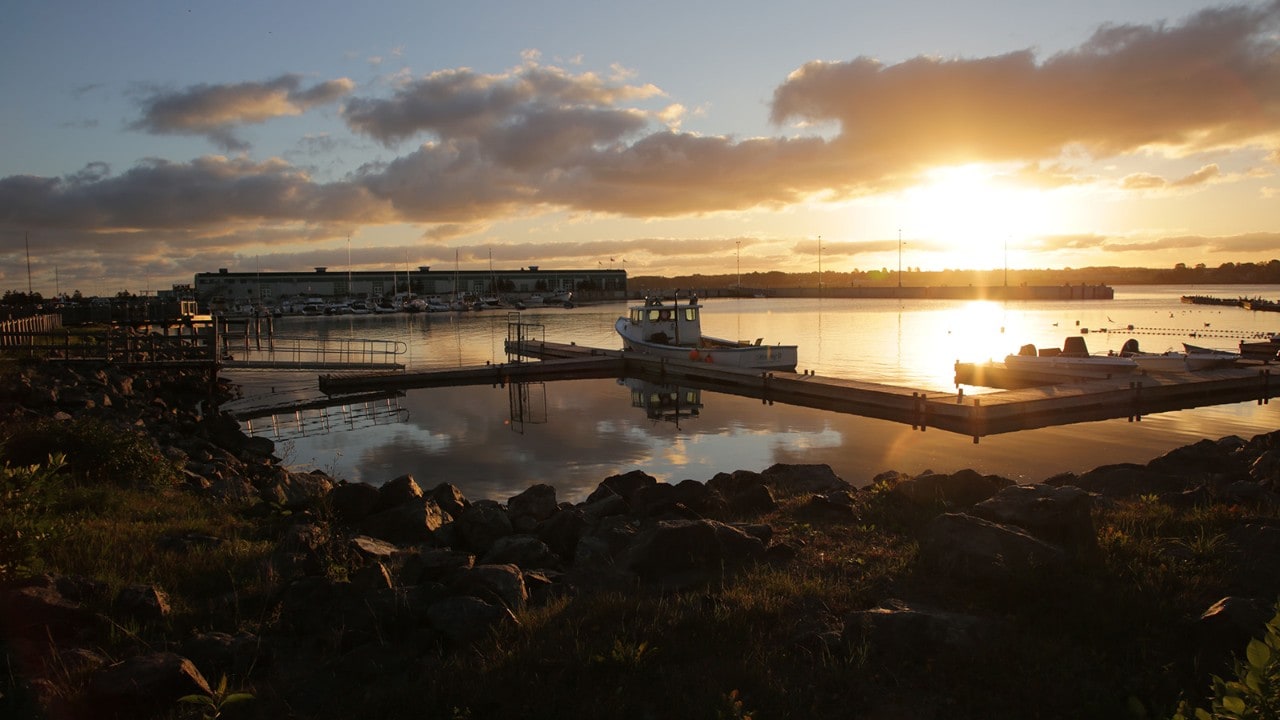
(693,355)
(709,359)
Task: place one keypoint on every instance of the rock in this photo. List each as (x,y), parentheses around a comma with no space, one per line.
(1062,516)
(405,524)
(526,551)
(41,611)
(819,508)
(351,502)
(299,550)
(1125,480)
(728,485)
(624,485)
(145,684)
(791,480)
(465,619)
(373,548)
(450,499)
(898,632)
(298,491)
(683,553)
(497,583)
(959,489)
(965,546)
(482,524)
(433,564)
(400,491)
(753,501)
(1206,457)
(535,504)
(603,505)
(1223,630)
(562,530)
(142,602)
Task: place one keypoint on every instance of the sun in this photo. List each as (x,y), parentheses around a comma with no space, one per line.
(976,216)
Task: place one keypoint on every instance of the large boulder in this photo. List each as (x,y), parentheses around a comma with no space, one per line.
(788,480)
(141,602)
(960,489)
(497,583)
(1060,515)
(480,526)
(898,631)
(351,502)
(402,490)
(413,522)
(967,547)
(535,504)
(687,552)
(624,485)
(525,551)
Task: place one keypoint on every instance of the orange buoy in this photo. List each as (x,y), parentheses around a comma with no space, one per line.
(693,355)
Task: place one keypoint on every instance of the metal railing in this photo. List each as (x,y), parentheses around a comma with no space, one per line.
(306,352)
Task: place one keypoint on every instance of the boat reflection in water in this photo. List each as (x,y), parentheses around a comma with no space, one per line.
(668,403)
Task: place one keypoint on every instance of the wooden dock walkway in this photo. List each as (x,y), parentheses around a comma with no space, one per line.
(1130,396)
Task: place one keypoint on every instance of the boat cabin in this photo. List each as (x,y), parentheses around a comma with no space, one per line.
(668,323)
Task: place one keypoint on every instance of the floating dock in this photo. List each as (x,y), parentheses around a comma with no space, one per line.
(976,415)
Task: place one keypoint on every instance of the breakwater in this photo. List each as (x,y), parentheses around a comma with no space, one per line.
(926,292)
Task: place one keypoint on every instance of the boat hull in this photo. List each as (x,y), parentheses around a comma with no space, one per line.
(766,357)
(1099,364)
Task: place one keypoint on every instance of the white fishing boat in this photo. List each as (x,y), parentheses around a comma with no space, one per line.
(673,330)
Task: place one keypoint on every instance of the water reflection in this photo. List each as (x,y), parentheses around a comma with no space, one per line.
(496,441)
(666,403)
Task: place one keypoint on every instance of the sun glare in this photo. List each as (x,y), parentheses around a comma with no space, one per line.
(974,217)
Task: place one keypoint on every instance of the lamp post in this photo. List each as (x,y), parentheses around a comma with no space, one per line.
(819,266)
(899,258)
(739,244)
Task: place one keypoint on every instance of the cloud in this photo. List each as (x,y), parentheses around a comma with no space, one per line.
(214,111)
(1210,82)
(1147,181)
(158,194)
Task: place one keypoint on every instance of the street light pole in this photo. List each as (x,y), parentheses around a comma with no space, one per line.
(739,244)
(819,266)
(899,258)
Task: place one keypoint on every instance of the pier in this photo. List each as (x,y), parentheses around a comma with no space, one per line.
(1068,400)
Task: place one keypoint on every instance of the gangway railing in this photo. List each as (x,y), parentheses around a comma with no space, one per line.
(309,353)
(521,333)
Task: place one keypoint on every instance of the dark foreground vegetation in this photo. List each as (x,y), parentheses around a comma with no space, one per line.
(155,562)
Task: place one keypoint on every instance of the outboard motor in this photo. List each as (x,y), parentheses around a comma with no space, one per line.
(1028,349)
(1130,347)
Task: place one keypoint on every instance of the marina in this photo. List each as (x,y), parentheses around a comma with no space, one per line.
(879,384)
(1055,398)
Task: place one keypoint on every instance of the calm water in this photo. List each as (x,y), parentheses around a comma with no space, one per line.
(493,442)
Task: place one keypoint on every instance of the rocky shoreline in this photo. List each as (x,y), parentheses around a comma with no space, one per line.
(364,581)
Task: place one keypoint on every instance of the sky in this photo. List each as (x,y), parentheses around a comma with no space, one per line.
(144,142)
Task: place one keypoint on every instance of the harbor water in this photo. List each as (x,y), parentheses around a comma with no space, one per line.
(494,442)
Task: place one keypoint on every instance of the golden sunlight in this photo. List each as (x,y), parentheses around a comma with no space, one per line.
(975,216)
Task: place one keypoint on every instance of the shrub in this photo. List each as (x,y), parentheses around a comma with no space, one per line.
(27,496)
(96,451)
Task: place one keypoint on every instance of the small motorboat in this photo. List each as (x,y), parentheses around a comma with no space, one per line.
(673,330)
(1073,358)
(1194,358)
